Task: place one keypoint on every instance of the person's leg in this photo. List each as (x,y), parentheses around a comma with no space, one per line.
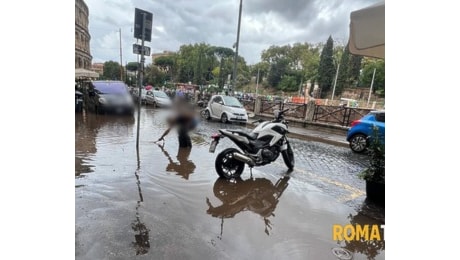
(184,138)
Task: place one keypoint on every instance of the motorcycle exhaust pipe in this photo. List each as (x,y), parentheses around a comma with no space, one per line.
(243,158)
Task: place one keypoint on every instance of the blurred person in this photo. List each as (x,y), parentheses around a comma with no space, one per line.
(184,119)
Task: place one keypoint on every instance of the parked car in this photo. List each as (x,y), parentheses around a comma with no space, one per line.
(158,98)
(135,95)
(363,128)
(109,97)
(226,109)
(78,101)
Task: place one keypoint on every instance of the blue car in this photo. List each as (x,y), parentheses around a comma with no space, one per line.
(361,129)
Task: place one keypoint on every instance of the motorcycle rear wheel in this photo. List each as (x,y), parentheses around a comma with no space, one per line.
(228,167)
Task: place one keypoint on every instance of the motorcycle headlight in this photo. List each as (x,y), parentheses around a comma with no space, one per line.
(102,100)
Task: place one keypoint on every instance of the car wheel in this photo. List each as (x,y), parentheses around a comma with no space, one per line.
(224,118)
(358,143)
(206,115)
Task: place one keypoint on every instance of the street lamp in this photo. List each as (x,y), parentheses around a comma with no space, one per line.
(236,48)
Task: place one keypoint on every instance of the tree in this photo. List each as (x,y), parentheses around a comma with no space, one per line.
(111,70)
(277,70)
(343,79)
(355,69)
(132,66)
(368,70)
(153,76)
(164,62)
(326,68)
(222,54)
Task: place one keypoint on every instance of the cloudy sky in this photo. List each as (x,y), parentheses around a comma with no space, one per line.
(177,22)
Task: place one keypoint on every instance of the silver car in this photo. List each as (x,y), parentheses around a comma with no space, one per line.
(158,98)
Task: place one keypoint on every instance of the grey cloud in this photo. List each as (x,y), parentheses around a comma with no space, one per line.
(264,23)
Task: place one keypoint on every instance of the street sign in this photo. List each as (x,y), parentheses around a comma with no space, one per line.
(139,26)
(137,49)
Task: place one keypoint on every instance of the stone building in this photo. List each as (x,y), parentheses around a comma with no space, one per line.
(82,51)
(161,54)
(98,67)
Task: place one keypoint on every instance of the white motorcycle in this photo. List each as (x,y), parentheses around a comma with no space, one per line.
(259,147)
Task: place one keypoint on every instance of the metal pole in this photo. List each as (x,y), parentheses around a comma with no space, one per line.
(335,81)
(257,83)
(121,59)
(141,67)
(370,91)
(236,47)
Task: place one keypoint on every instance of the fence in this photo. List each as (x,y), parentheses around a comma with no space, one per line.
(339,115)
(249,104)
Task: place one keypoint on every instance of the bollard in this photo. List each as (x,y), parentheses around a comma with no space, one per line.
(310,111)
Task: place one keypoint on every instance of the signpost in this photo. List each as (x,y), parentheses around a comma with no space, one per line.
(137,49)
(143,31)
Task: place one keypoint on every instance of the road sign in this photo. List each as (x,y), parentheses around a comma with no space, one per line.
(137,49)
(139,26)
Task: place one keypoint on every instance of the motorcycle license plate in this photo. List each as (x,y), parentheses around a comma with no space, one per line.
(212,148)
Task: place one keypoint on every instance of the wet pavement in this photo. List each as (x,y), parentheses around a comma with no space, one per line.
(166,203)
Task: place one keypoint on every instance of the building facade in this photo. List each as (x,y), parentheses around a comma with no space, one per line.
(98,67)
(161,54)
(82,51)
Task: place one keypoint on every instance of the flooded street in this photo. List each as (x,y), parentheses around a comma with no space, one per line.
(166,203)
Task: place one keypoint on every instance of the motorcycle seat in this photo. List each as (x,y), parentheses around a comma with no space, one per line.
(251,136)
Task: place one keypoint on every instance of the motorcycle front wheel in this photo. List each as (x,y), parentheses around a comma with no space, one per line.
(228,167)
(288,157)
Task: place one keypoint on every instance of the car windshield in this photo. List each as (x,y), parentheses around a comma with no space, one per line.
(160,94)
(105,87)
(231,101)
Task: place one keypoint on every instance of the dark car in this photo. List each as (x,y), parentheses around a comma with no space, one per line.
(109,97)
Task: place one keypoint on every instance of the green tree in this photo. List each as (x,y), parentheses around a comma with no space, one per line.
(153,76)
(277,70)
(223,54)
(164,62)
(343,79)
(355,69)
(111,70)
(132,66)
(368,70)
(326,69)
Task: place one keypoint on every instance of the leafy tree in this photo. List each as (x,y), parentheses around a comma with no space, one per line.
(164,62)
(132,66)
(111,70)
(355,69)
(366,76)
(343,79)
(277,70)
(223,54)
(154,76)
(326,68)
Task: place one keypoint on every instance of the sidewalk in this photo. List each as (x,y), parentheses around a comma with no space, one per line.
(313,135)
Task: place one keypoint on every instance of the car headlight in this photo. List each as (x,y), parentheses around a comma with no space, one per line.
(102,100)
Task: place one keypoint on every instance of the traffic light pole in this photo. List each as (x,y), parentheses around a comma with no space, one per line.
(141,77)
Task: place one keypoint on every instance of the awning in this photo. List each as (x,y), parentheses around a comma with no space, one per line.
(82,73)
(367,31)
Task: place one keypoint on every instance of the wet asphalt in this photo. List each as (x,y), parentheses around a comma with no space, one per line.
(166,203)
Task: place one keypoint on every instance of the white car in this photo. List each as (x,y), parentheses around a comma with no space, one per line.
(158,98)
(226,109)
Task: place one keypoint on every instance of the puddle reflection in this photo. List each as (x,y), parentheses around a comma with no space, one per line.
(88,128)
(183,167)
(367,216)
(142,240)
(258,195)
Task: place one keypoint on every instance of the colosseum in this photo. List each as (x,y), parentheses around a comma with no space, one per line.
(82,52)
